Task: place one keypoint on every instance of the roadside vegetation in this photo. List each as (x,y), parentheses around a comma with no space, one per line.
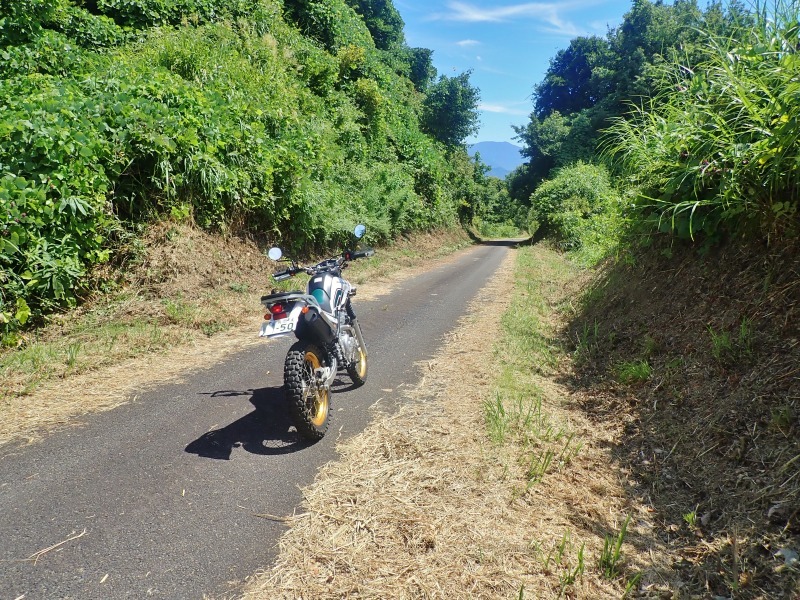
(679,183)
(287,121)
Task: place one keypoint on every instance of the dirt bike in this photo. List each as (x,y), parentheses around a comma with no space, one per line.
(329,336)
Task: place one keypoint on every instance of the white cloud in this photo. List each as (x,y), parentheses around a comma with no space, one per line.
(465,43)
(503,109)
(600,26)
(460,11)
(548,13)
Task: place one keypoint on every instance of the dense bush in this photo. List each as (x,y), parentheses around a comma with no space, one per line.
(595,79)
(225,113)
(578,207)
(719,150)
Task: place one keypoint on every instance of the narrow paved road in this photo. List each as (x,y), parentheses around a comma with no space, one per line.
(161,498)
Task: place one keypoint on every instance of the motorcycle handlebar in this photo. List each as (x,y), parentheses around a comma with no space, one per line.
(282,275)
(325,264)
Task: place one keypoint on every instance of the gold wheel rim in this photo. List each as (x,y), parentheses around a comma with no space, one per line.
(318,405)
(362,362)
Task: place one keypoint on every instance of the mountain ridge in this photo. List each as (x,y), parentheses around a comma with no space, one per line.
(501,157)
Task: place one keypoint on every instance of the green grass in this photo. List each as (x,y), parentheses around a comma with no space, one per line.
(587,343)
(90,341)
(559,560)
(633,372)
(690,518)
(489,230)
(514,414)
(611,559)
(239,288)
(731,347)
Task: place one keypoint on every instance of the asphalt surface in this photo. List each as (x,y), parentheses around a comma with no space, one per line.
(160,498)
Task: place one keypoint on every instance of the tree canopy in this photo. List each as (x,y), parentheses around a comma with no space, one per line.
(596,79)
(451,109)
(383,21)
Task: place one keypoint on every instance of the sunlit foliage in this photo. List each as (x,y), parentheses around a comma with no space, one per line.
(284,117)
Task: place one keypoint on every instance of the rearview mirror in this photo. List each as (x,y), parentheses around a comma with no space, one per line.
(275,253)
(359,231)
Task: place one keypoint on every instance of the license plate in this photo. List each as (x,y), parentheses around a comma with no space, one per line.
(281,327)
(276,328)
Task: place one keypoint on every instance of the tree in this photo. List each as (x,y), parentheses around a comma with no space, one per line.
(597,79)
(577,77)
(450,110)
(556,141)
(421,69)
(383,21)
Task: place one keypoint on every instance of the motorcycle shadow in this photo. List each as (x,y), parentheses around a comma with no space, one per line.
(267,430)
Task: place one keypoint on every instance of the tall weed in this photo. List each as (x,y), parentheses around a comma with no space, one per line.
(717,151)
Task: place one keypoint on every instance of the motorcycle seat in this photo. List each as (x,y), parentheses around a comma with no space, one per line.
(271,299)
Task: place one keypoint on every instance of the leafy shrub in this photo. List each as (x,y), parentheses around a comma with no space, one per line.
(55,219)
(717,152)
(578,206)
(139,14)
(50,53)
(21,20)
(88,30)
(104,125)
(331,22)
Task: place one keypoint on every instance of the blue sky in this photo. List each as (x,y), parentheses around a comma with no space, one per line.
(508,47)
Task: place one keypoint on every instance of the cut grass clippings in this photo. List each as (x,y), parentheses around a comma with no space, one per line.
(697,356)
(189,299)
(486,484)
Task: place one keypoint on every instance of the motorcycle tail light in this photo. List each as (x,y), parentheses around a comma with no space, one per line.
(277,312)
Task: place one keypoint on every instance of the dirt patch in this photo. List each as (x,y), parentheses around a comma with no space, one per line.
(423,505)
(710,407)
(189,299)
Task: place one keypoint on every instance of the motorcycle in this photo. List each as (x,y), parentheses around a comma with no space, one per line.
(329,336)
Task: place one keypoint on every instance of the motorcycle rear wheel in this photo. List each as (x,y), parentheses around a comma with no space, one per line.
(309,402)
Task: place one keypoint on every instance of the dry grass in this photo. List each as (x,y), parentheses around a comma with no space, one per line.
(423,505)
(712,436)
(189,300)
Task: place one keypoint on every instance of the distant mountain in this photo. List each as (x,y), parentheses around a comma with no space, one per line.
(502,157)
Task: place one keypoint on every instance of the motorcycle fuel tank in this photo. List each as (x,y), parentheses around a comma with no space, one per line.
(329,290)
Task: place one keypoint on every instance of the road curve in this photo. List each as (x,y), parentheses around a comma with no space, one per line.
(168,496)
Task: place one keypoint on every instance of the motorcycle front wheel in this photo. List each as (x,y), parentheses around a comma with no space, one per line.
(309,401)
(358,369)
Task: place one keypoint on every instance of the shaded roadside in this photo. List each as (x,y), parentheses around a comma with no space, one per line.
(696,359)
